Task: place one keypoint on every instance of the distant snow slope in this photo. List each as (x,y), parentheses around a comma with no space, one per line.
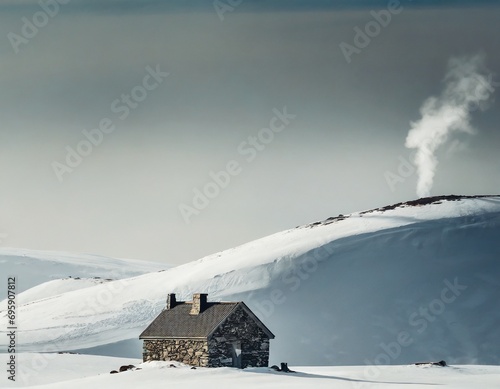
(55,287)
(416,281)
(34,267)
(83,372)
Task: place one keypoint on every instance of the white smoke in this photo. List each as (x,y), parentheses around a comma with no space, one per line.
(468,87)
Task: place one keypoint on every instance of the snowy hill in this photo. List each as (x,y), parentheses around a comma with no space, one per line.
(55,287)
(414,281)
(34,267)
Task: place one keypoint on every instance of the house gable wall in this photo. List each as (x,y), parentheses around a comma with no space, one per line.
(239,326)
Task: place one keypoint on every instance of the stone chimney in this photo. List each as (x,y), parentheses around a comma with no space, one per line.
(171,301)
(199,303)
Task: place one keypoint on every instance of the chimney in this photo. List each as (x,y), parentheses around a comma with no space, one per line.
(199,303)
(171,301)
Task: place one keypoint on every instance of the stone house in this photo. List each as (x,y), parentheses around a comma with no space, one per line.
(209,334)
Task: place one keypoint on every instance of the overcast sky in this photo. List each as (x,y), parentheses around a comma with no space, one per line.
(340,121)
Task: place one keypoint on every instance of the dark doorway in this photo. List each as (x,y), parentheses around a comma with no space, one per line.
(236,351)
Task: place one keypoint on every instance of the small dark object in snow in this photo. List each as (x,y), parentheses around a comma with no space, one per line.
(440,363)
(113,372)
(193,368)
(284,368)
(172,365)
(126,367)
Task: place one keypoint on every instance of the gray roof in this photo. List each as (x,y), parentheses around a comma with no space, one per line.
(178,323)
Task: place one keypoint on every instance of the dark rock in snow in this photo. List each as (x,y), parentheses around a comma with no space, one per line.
(126,368)
(284,368)
(440,363)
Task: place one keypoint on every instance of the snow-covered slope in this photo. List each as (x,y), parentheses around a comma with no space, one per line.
(56,287)
(83,372)
(34,267)
(416,281)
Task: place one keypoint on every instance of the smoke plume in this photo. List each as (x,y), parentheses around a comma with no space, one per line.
(467,87)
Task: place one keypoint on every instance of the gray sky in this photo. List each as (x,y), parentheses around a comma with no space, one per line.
(225,79)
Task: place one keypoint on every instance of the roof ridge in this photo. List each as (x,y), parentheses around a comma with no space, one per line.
(209,302)
(223,319)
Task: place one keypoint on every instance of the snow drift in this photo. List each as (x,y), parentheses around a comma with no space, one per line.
(85,371)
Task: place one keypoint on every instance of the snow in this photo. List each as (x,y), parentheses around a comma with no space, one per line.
(55,287)
(46,368)
(385,287)
(33,267)
(51,371)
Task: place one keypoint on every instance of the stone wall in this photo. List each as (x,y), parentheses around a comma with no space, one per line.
(239,327)
(188,351)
